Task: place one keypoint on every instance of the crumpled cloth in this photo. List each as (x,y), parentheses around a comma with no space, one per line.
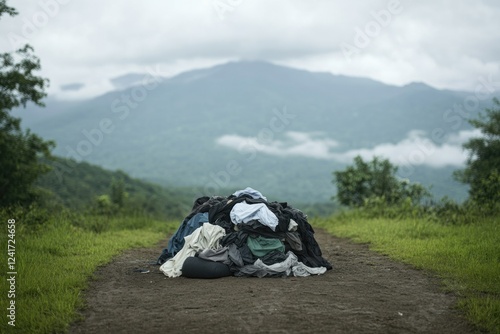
(243,213)
(291,265)
(250,192)
(216,255)
(206,236)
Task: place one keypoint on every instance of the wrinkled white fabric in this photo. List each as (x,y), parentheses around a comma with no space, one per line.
(243,213)
(206,236)
(293,226)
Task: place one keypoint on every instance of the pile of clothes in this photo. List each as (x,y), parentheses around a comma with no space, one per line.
(243,235)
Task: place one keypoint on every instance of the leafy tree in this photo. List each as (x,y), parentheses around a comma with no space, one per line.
(482,171)
(375,179)
(118,193)
(20,150)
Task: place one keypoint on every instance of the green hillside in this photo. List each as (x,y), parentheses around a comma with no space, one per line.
(77,186)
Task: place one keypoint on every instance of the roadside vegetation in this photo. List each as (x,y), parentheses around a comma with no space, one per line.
(56,257)
(459,242)
(465,256)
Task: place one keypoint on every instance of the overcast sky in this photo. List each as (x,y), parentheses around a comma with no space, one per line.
(446,44)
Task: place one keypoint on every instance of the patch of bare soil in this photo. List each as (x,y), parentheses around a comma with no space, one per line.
(364,293)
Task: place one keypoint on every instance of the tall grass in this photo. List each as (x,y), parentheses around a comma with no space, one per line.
(54,262)
(466,257)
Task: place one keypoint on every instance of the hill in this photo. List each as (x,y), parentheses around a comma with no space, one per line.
(277,129)
(78,185)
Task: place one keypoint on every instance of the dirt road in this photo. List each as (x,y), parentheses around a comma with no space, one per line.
(364,293)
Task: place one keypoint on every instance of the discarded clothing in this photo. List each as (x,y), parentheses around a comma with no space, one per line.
(250,192)
(260,246)
(206,236)
(293,239)
(176,242)
(243,213)
(290,266)
(217,255)
(253,238)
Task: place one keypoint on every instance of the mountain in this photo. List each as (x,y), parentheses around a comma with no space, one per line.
(280,130)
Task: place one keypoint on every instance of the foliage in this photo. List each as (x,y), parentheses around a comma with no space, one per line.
(482,170)
(56,260)
(466,256)
(118,193)
(376,179)
(20,149)
(81,186)
(4,9)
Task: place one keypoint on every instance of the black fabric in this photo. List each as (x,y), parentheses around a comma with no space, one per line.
(273,257)
(199,201)
(194,267)
(240,240)
(310,254)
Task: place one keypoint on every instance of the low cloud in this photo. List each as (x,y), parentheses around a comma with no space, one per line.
(312,145)
(415,149)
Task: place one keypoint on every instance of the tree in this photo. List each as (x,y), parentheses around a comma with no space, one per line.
(117,193)
(20,150)
(366,180)
(482,171)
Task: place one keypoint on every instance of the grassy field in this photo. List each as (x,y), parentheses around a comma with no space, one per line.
(55,261)
(465,257)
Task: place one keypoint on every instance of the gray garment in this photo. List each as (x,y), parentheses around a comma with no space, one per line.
(235,255)
(290,266)
(301,270)
(293,239)
(216,255)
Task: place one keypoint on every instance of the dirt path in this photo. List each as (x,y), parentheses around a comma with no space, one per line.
(364,293)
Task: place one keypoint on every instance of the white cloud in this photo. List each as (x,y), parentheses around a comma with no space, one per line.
(295,144)
(414,150)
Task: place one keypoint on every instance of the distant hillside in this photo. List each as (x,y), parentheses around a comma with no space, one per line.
(77,186)
(280,130)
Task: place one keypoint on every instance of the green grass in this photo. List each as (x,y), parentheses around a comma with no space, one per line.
(55,261)
(465,257)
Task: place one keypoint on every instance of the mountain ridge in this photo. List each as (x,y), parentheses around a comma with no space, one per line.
(171,132)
